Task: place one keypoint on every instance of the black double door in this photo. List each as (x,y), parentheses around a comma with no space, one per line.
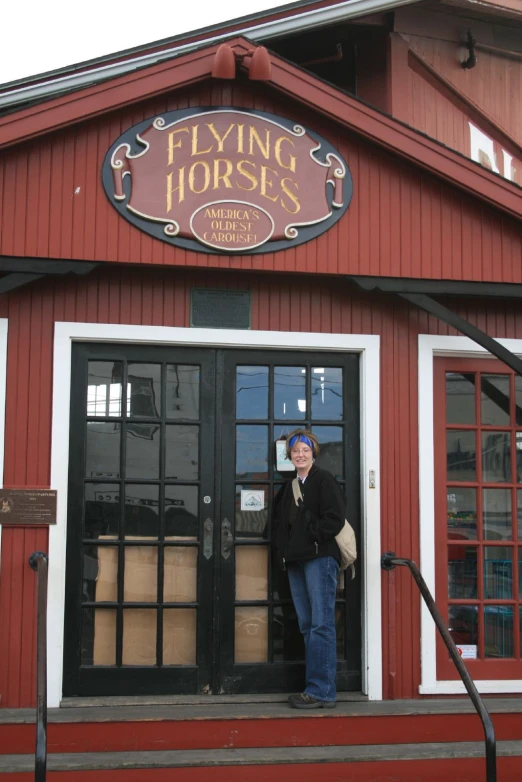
(170,585)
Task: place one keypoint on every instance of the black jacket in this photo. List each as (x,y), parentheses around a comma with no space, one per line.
(300,534)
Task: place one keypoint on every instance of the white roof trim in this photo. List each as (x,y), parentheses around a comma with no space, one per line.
(298,23)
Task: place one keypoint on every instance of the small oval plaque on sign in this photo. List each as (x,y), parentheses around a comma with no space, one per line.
(232,225)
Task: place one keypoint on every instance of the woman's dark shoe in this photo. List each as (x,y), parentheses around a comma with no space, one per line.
(305,701)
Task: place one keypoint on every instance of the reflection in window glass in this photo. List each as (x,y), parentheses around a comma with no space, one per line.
(289,392)
(518,455)
(462,513)
(287,641)
(496,513)
(182,452)
(461,455)
(98,644)
(331,455)
(251,520)
(519,513)
(104,388)
(463,624)
(102,451)
(498,631)
(181,512)
(141,511)
(462,572)
(102,510)
(251,573)
(498,572)
(182,392)
(518,399)
(460,398)
(144,390)
(142,451)
(495,401)
(327,393)
(251,634)
(496,457)
(251,451)
(100,573)
(251,392)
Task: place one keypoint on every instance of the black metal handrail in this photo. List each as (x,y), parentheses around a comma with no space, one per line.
(388,562)
(39,562)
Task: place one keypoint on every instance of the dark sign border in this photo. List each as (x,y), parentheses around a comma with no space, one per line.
(305,233)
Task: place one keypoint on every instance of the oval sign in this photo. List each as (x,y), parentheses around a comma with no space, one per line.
(227,180)
(232,226)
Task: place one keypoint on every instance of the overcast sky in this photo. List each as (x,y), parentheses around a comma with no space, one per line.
(38,36)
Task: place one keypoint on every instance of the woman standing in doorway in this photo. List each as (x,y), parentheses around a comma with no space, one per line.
(304,537)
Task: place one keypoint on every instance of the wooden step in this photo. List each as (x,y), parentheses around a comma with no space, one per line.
(462,761)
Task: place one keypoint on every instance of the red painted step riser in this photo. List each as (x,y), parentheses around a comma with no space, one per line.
(241,734)
(455,769)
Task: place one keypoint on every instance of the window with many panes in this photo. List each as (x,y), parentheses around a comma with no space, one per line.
(478,482)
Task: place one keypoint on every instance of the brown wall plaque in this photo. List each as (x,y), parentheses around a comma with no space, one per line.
(27,506)
(227,180)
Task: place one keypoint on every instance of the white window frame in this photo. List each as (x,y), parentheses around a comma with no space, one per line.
(366,345)
(3,385)
(431,346)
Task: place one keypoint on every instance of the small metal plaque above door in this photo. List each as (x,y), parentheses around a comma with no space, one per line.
(220,309)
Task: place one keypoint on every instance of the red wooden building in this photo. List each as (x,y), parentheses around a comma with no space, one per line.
(149,364)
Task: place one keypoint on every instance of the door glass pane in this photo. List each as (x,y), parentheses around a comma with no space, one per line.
(141,574)
(462,572)
(518,399)
(460,398)
(98,644)
(498,631)
(100,573)
(289,392)
(181,512)
(179,636)
(251,634)
(496,458)
(461,455)
(144,390)
(104,388)
(496,513)
(463,624)
(143,451)
(495,401)
(251,392)
(251,511)
(180,570)
(251,451)
(327,393)
(519,513)
(287,641)
(498,572)
(141,511)
(518,455)
(331,455)
(139,636)
(251,573)
(102,510)
(182,392)
(462,513)
(182,452)
(102,450)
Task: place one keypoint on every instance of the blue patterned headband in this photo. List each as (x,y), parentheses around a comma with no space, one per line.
(301,438)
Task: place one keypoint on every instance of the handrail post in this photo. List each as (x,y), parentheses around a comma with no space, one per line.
(388,562)
(39,562)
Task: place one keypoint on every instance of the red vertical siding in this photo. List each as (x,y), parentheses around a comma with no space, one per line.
(160,296)
(394,225)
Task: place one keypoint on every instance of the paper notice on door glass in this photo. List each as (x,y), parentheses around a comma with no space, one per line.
(252,499)
(467,651)
(282,463)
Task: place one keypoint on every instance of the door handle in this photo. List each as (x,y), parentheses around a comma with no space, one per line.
(227,539)
(208,535)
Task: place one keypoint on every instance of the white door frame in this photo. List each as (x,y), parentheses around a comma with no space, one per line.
(430,346)
(366,345)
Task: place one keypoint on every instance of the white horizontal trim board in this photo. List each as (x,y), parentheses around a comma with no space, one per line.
(3,384)
(368,348)
(431,346)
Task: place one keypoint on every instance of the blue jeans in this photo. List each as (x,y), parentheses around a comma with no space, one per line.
(313,585)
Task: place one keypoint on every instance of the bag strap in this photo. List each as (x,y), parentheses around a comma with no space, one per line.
(297,491)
